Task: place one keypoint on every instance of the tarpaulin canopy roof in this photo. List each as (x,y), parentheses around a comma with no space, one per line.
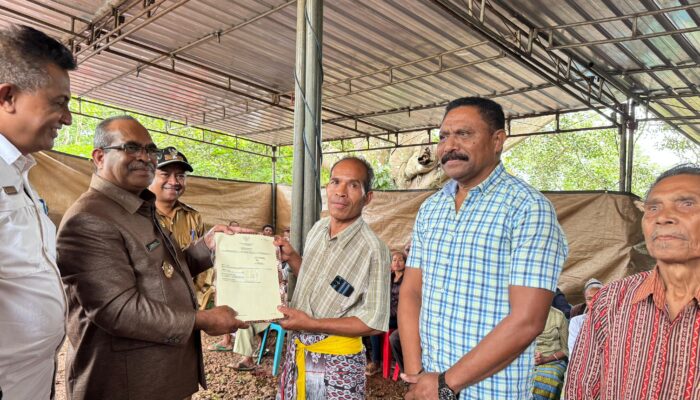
(389,65)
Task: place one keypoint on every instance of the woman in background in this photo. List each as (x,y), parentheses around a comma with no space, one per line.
(398,265)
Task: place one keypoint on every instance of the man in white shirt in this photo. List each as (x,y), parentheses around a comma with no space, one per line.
(34,95)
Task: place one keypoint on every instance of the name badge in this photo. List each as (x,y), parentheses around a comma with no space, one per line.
(153,245)
(10,189)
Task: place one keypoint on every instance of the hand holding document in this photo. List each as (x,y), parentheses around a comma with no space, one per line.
(246,276)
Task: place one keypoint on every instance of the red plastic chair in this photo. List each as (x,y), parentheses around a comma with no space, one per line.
(387,359)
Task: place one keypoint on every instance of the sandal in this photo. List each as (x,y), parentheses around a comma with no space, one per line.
(371,369)
(242,367)
(218,347)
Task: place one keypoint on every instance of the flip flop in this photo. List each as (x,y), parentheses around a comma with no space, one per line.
(243,368)
(219,347)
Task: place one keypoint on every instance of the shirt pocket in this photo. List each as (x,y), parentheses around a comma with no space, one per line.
(20,237)
(49,232)
(126,344)
(348,304)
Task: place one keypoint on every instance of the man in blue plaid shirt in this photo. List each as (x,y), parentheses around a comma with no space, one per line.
(486,256)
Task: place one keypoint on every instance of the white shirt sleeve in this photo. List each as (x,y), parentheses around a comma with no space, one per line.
(574,329)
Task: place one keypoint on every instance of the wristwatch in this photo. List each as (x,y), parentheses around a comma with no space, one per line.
(444,391)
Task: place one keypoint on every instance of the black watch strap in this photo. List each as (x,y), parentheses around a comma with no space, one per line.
(445,392)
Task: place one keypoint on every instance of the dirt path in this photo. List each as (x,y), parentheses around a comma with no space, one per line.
(227,384)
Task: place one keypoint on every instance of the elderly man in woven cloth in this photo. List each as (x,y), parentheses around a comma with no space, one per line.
(34,96)
(640,339)
(134,325)
(185,223)
(485,258)
(342,293)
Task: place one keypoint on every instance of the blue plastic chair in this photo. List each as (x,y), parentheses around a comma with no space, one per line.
(278,346)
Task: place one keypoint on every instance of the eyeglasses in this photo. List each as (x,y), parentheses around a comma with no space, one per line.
(134,149)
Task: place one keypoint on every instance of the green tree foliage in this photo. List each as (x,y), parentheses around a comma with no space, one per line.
(680,146)
(221,161)
(587,160)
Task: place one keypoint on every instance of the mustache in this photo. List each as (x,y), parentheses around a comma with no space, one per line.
(676,235)
(138,164)
(453,155)
(174,187)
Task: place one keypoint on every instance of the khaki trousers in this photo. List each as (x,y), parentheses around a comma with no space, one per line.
(245,343)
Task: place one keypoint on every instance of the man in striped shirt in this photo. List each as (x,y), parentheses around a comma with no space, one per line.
(342,293)
(640,340)
(485,259)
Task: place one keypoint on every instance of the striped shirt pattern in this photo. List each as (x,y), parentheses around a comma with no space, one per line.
(506,233)
(630,349)
(357,255)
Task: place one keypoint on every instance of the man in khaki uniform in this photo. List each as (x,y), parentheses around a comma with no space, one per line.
(182,220)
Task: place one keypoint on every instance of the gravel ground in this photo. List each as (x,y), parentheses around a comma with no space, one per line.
(227,384)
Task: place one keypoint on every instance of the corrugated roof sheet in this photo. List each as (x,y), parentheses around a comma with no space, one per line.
(390,66)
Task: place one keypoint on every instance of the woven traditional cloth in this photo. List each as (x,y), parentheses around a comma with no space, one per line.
(325,376)
(549,380)
(629,348)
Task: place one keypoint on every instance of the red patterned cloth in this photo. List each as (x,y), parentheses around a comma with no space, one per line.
(630,349)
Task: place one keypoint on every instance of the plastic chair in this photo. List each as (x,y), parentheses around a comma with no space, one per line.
(386,358)
(278,346)
(397,370)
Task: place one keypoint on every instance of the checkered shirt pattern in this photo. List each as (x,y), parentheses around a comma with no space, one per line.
(357,255)
(506,233)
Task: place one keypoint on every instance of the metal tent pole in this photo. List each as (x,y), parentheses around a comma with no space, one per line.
(296,230)
(622,135)
(631,127)
(274,188)
(312,114)
(306,201)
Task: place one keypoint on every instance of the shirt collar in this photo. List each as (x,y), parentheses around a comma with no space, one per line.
(184,206)
(12,155)
(129,201)
(346,234)
(177,207)
(653,286)
(496,175)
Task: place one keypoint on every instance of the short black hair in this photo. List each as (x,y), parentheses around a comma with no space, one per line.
(681,169)
(369,176)
(268,226)
(491,112)
(25,53)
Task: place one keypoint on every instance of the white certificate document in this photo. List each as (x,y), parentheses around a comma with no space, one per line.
(246,276)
